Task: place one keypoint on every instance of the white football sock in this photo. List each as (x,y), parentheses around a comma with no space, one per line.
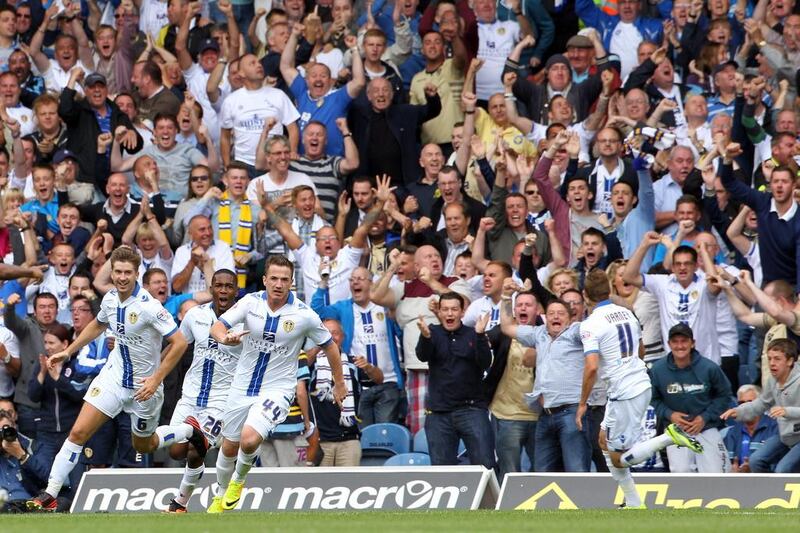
(66,459)
(169,435)
(244,462)
(190,478)
(625,481)
(642,451)
(225,466)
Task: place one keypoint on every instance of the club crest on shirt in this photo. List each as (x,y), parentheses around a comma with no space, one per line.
(694,295)
(379,315)
(288,326)
(95,391)
(133,317)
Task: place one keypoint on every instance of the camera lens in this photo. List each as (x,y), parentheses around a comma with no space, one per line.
(9,433)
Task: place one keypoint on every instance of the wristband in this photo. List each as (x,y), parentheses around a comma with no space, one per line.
(346,135)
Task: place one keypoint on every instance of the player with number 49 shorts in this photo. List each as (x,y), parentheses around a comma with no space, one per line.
(276,326)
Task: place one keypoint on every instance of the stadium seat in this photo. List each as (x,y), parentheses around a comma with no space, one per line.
(421,441)
(409,459)
(388,437)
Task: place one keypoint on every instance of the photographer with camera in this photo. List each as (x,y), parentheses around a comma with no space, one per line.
(23,473)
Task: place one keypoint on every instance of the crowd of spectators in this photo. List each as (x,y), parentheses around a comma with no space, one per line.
(419,162)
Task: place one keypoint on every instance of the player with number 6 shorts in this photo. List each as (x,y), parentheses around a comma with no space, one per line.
(612,348)
(132,379)
(276,325)
(206,385)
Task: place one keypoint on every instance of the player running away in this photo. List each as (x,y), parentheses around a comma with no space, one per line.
(207,382)
(132,379)
(276,325)
(611,345)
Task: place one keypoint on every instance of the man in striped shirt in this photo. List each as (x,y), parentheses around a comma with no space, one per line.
(326,171)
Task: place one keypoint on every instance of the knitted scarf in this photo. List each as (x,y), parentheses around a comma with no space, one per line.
(243,232)
(324,387)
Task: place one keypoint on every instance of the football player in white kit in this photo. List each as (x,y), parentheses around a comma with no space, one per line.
(276,326)
(132,379)
(611,344)
(207,382)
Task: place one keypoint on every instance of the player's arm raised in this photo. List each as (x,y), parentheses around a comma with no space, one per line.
(591,361)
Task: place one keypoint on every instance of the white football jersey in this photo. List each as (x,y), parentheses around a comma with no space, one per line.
(371,338)
(209,378)
(138,324)
(269,357)
(613,332)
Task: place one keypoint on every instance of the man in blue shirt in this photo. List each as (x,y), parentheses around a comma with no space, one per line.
(560,445)
(744,438)
(313,94)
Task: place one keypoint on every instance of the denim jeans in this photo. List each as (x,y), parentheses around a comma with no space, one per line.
(470,424)
(378,404)
(560,445)
(510,437)
(750,342)
(775,456)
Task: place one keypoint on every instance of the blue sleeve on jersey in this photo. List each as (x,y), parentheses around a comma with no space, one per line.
(591,352)
(326,343)
(225,323)
(101,322)
(171,333)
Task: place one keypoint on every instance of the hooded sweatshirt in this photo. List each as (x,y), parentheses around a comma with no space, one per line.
(699,389)
(786,396)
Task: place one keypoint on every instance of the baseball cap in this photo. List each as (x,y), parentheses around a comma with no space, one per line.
(209,44)
(94,78)
(579,41)
(555,59)
(62,155)
(722,66)
(680,330)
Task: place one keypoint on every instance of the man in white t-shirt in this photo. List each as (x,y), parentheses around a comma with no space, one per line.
(279,181)
(683,296)
(187,267)
(246,111)
(496,40)
(10,363)
(329,259)
(153,17)
(9,95)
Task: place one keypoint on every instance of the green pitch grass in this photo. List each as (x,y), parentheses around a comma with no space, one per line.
(677,521)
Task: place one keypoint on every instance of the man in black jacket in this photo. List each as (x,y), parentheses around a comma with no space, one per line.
(457,357)
(87,119)
(387,133)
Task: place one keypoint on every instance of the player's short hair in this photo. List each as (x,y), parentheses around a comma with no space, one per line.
(70,205)
(123,254)
(223,272)
(275,139)
(596,286)
(461,206)
(148,275)
(451,295)
(81,274)
(43,166)
(152,71)
(787,346)
(528,293)
(278,260)
(689,199)
(683,249)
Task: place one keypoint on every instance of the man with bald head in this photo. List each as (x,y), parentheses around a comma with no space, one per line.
(386,133)
(410,302)
(671,187)
(119,209)
(370,333)
(422,193)
(190,259)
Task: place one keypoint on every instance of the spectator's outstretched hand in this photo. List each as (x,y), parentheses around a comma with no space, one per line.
(424,330)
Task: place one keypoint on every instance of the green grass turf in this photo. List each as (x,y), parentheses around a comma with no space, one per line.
(690,521)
